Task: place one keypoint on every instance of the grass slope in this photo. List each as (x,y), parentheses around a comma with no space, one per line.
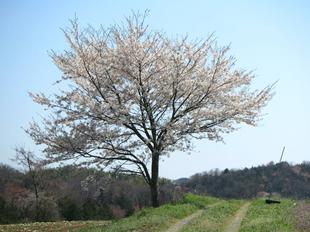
(264,217)
(159,219)
(214,216)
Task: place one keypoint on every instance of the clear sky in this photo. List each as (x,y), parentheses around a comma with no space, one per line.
(270,37)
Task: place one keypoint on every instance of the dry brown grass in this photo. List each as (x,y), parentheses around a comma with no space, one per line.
(302,216)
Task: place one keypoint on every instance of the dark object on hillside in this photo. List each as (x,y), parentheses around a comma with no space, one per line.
(269,201)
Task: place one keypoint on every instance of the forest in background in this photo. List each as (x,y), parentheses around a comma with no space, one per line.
(283,179)
(76,193)
(73,193)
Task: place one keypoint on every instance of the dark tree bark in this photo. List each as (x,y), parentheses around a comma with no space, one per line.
(154,180)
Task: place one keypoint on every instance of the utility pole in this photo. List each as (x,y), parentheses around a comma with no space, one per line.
(282,154)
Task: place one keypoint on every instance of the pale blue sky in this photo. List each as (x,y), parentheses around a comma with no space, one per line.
(270,37)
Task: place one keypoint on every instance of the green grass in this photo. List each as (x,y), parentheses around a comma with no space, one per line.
(159,219)
(262,217)
(214,219)
(150,219)
(199,201)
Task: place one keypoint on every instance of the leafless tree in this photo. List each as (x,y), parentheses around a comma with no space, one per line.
(32,166)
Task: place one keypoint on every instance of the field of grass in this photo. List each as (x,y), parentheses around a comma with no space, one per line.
(263,217)
(199,201)
(211,215)
(214,219)
(159,219)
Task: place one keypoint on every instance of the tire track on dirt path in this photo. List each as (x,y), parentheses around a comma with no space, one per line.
(234,224)
(180,224)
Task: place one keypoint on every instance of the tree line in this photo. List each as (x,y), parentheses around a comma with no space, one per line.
(73,193)
(282,178)
(86,193)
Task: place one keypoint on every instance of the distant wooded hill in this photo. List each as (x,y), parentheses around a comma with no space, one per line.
(75,193)
(283,178)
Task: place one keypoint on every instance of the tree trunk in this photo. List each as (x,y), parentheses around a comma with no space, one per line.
(36,192)
(154,181)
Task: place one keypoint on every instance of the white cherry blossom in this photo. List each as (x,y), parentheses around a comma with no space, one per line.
(137,95)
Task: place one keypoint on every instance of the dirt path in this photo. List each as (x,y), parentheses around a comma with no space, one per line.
(235,223)
(180,224)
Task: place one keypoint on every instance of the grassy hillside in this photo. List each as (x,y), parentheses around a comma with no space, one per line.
(159,219)
(195,213)
(275,217)
(215,218)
